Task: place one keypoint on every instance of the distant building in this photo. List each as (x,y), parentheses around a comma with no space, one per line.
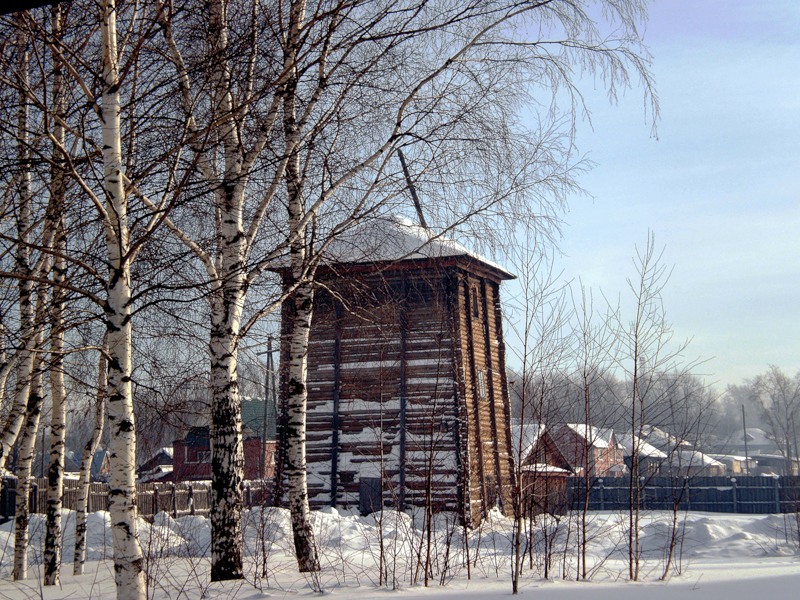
(735,465)
(101,466)
(693,463)
(650,458)
(192,456)
(157,468)
(757,442)
(589,447)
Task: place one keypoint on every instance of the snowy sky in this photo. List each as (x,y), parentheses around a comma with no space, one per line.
(719,187)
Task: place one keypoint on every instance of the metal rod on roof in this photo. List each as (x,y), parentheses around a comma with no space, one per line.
(412,189)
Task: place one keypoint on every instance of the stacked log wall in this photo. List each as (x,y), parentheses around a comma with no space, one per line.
(394,369)
(486,394)
(382,353)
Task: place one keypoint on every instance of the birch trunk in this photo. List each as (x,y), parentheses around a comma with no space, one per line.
(227,450)
(295,430)
(16,414)
(55,471)
(33,413)
(301,306)
(228,294)
(84,478)
(128,562)
(26,450)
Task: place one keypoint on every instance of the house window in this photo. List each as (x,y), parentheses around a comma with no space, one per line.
(482,384)
(474,303)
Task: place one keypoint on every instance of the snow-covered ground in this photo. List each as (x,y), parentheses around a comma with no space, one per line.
(730,557)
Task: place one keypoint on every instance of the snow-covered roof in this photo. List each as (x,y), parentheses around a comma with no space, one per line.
(693,458)
(597,437)
(391,239)
(155,474)
(545,468)
(663,439)
(530,433)
(626,441)
(755,437)
(723,457)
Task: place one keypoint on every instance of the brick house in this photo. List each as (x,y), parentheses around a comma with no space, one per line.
(192,456)
(587,446)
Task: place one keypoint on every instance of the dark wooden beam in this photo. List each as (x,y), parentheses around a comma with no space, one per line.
(337,386)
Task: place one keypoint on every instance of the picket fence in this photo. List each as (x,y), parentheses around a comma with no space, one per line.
(741,494)
(175,498)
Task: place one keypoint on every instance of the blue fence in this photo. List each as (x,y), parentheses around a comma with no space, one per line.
(747,495)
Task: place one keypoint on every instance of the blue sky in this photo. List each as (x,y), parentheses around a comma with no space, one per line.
(719,186)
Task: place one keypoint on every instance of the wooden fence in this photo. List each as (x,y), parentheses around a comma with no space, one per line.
(177,499)
(747,495)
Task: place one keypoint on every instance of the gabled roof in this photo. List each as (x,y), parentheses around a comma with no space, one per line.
(597,437)
(530,432)
(626,440)
(393,239)
(663,439)
(755,437)
(693,458)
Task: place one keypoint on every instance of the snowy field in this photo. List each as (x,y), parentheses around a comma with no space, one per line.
(730,557)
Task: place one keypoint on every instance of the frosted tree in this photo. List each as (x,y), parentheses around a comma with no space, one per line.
(777,397)
(108,196)
(647,351)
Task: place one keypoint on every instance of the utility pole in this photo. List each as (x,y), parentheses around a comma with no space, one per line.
(270,408)
(744,431)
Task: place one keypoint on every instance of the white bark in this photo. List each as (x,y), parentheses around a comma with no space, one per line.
(16,415)
(128,560)
(227,459)
(84,477)
(26,450)
(33,411)
(55,472)
(295,429)
(228,293)
(300,311)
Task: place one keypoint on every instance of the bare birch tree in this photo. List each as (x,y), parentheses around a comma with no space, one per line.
(55,472)
(23,268)
(111,206)
(544,345)
(647,351)
(85,473)
(594,352)
(428,113)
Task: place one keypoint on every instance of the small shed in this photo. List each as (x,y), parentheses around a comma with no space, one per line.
(407,390)
(156,468)
(543,469)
